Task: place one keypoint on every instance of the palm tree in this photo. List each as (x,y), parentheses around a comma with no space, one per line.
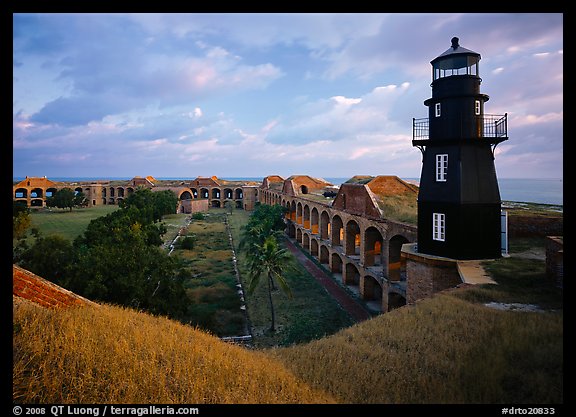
(271,260)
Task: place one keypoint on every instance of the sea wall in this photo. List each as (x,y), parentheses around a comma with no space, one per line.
(535,226)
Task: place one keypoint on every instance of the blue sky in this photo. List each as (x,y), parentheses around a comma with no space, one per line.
(250,95)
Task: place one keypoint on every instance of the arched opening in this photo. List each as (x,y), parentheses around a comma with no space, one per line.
(314,221)
(372,293)
(337,234)
(228,193)
(306,241)
(112,192)
(373,247)
(336,266)
(37,193)
(204,193)
(303,189)
(299,236)
(352,278)
(291,230)
(324,255)
(352,239)
(299,213)
(324,226)
(120,191)
(195,192)
(396,265)
(314,247)
(216,203)
(293,211)
(186,195)
(21,193)
(50,192)
(395,300)
(238,194)
(216,193)
(306,217)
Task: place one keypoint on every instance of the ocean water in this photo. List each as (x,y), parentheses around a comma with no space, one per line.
(528,190)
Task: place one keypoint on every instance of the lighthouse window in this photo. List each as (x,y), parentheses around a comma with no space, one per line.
(437,109)
(441,167)
(438,226)
(477,107)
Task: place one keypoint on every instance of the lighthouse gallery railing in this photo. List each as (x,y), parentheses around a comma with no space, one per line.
(494,126)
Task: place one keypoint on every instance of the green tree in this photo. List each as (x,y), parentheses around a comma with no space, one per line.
(21,221)
(229,205)
(127,270)
(50,257)
(264,221)
(101,230)
(154,204)
(63,198)
(80,199)
(187,242)
(271,261)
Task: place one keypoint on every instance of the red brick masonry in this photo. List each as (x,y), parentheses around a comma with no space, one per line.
(31,287)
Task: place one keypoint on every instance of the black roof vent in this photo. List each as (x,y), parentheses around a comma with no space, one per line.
(455,42)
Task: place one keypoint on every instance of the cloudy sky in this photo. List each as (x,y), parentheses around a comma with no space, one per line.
(250,95)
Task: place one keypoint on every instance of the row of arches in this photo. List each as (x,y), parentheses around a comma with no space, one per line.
(365,241)
(380,293)
(364,254)
(217,193)
(36,197)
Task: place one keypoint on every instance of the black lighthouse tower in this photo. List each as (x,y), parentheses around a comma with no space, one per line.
(459,200)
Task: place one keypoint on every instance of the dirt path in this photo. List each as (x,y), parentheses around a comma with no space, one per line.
(356,311)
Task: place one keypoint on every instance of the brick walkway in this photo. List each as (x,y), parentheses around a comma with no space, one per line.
(349,304)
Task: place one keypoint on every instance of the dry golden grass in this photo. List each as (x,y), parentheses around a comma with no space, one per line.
(443,350)
(204,226)
(116,355)
(400,207)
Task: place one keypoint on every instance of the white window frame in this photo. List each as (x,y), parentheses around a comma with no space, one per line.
(437,109)
(441,167)
(439,227)
(477,107)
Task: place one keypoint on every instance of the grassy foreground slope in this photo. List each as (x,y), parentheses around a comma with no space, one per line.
(442,350)
(109,354)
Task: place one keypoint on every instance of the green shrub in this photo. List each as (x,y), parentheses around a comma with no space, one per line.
(187,243)
(198,216)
